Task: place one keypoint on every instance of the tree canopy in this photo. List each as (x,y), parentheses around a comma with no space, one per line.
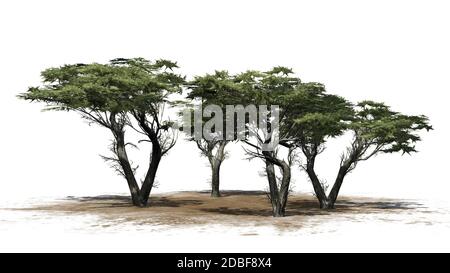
(122,93)
(123,85)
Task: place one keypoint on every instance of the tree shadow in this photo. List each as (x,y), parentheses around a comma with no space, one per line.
(311,208)
(382,205)
(125,201)
(239,211)
(228,193)
(166,202)
(263,212)
(295,207)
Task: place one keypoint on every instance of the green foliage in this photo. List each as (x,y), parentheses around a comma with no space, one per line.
(218,88)
(313,115)
(308,117)
(123,85)
(267,88)
(387,131)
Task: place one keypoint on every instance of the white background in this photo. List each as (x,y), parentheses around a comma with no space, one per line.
(392,51)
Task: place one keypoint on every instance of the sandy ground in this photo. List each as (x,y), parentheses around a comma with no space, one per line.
(234,208)
(240,221)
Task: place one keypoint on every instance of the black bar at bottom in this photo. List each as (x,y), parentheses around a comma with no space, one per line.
(223,262)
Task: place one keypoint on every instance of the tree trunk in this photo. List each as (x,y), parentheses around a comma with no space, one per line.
(215,179)
(278,197)
(279,211)
(332,197)
(284,188)
(128,170)
(318,188)
(151,173)
(273,189)
(216,162)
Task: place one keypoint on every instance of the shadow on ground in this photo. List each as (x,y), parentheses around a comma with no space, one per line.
(236,208)
(298,204)
(125,201)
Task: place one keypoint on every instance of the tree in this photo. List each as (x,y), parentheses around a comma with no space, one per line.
(374,127)
(213,90)
(271,89)
(312,118)
(125,93)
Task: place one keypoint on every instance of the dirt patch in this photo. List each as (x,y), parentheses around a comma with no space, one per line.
(234,208)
